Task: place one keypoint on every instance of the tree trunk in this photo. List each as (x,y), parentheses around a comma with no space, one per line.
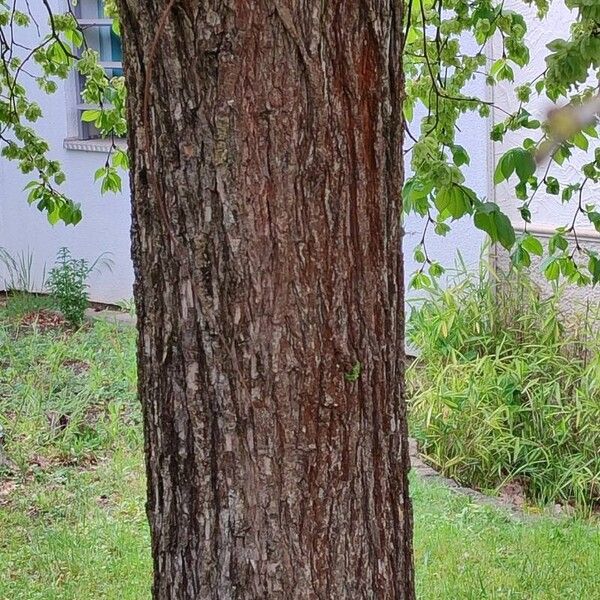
(266,180)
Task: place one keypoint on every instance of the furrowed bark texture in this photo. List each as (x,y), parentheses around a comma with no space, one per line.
(266,206)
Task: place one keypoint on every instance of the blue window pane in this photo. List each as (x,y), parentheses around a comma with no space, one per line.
(110,48)
(116,47)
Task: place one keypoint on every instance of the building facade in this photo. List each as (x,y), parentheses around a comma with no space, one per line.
(106,219)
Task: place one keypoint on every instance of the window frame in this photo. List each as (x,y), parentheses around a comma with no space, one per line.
(83,129)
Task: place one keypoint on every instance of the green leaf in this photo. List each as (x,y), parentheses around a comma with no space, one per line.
(75,37)
(54,216)
(502,71)
(552,270)
(525,214)
(519,160)
(101,172)
(442,228)
(594,218)
(594,268)
(524,164)
(505,167)
(419,255)
(561,155)
(520,257)
(581,141)
(521,190)
(407,109)
(496,224)
(497,132)
(414,34)
(567,192)
(532,245)
(120,159)
(449,402)
(567,266)
(90,116)
(460,156)
(436,270)
(414,195)
(420,281)
(557,242)
(456,199)
(552,186)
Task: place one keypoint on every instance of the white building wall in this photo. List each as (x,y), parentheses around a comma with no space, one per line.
(106,222)
(548,212)
(106,219)
(473,134)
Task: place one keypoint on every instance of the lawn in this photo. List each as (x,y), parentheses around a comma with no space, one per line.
(72,522)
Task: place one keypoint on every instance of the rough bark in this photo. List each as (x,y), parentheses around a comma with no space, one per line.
(266,178)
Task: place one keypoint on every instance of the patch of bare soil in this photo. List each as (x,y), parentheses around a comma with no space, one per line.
(57,421)
(37,461)
(104,501)
(43,320)
(513,494)
(7,487)
(79,367)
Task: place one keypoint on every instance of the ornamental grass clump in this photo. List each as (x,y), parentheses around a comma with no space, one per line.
(507,388)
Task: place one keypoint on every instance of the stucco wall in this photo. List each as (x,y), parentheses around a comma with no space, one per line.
(573,297)
(106,220)
(548,211)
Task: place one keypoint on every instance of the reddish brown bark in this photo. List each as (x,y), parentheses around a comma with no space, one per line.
(266,207)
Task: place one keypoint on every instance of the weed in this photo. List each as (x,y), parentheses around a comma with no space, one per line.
(354,373)
(67,283)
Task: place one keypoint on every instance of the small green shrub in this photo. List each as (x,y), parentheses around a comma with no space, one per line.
(504,389)
(67,283)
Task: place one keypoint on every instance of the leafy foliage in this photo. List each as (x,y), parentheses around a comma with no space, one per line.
(18,113)
(59,52)
(504,391)
(439,71)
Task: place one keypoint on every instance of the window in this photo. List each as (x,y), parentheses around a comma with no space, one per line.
(99,36)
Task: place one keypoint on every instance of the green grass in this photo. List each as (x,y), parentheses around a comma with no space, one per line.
(18,304)
(468,551)
(77,534)
(72,522)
